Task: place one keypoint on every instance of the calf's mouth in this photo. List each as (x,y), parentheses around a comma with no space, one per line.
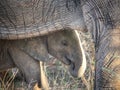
(76,67)
(71,66)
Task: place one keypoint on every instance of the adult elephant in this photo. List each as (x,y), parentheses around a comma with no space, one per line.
(30,18)
(102,19)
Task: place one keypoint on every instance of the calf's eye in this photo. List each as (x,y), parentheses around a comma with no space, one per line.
(64,42)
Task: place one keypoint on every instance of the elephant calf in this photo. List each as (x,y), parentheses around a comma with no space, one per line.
(25,54)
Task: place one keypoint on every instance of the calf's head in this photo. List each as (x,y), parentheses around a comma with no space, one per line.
(66,46)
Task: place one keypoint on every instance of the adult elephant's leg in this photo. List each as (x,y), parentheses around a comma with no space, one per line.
(108,62)
(28,66)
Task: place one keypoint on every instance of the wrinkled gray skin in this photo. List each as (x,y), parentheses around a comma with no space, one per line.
(100,17)
(21,19)
(26,54)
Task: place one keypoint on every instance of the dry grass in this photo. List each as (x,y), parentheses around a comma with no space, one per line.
(6,81)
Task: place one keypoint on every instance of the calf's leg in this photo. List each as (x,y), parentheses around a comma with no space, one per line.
(28,66)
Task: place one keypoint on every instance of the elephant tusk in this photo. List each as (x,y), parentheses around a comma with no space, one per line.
(82,69)
(43,78)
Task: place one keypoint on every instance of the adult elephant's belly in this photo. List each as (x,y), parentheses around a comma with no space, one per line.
(23,19)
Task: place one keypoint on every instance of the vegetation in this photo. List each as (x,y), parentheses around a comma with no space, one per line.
(58,76)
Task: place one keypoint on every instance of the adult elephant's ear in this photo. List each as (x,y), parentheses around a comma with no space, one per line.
(35,48)
(66,46)
(20,19)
